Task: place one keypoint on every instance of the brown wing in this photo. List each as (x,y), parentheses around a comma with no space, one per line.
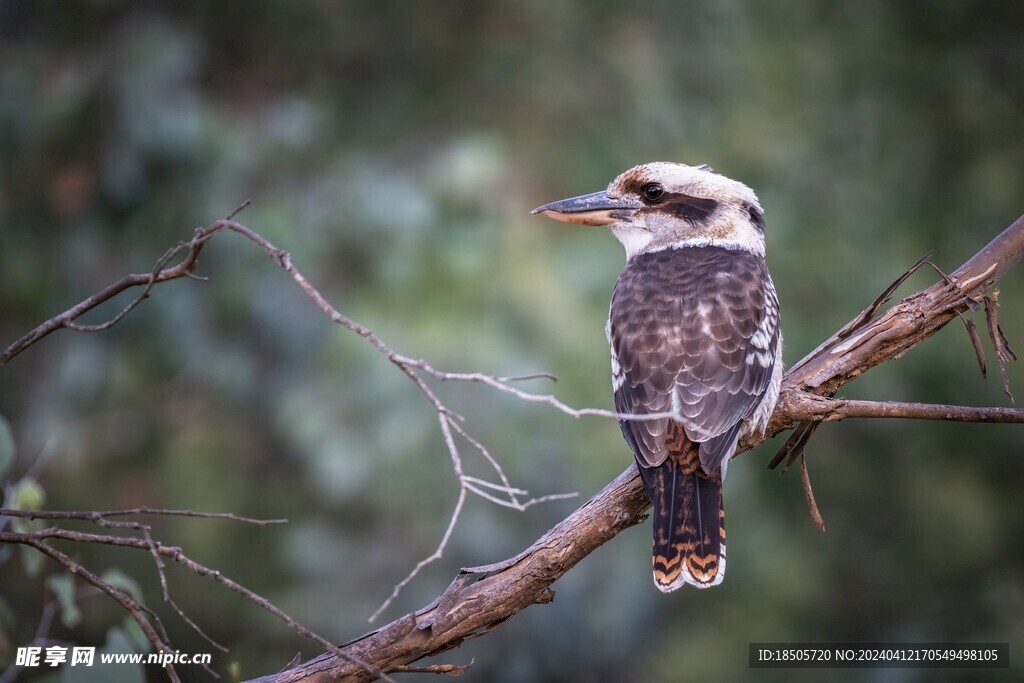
(694,331)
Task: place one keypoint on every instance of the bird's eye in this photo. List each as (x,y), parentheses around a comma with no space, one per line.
(653,192)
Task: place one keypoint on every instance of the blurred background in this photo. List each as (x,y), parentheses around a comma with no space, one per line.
(395,149)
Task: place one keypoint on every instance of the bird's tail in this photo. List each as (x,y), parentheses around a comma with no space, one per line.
(689,521)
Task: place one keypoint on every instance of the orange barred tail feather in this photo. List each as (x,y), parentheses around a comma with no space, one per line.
(689,521)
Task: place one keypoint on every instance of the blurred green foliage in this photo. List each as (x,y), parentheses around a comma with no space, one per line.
(395,150)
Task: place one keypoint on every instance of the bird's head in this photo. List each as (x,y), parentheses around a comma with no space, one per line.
(661,205)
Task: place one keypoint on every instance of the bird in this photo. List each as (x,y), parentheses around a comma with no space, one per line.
(696,345)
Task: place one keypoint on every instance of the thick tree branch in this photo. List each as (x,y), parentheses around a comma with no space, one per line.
(481,599)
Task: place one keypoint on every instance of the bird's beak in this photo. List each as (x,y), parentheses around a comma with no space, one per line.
(596,208)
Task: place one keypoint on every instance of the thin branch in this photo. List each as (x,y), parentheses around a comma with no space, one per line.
(100,516)
(972,333)
(501,384)
(157,550)
(794,446)
(146,280)
(532,375)
(871,311)
(436,555)
(38,540)
(811,407)
(154,551)
(812,504)
(129,604)
(1003,353)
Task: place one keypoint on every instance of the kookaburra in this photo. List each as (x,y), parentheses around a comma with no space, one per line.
(694,331)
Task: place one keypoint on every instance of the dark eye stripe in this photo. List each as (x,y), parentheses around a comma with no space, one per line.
(693,209)
(756,217)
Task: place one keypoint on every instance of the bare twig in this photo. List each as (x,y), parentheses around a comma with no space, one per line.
(39,541)
(129,604)
(154,550)
(145,280)
(794,446)
(436,555)
(811,410)
(1003,353)
(811,407)
(812,505)
(972,332)
(101,516)
(871,311)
